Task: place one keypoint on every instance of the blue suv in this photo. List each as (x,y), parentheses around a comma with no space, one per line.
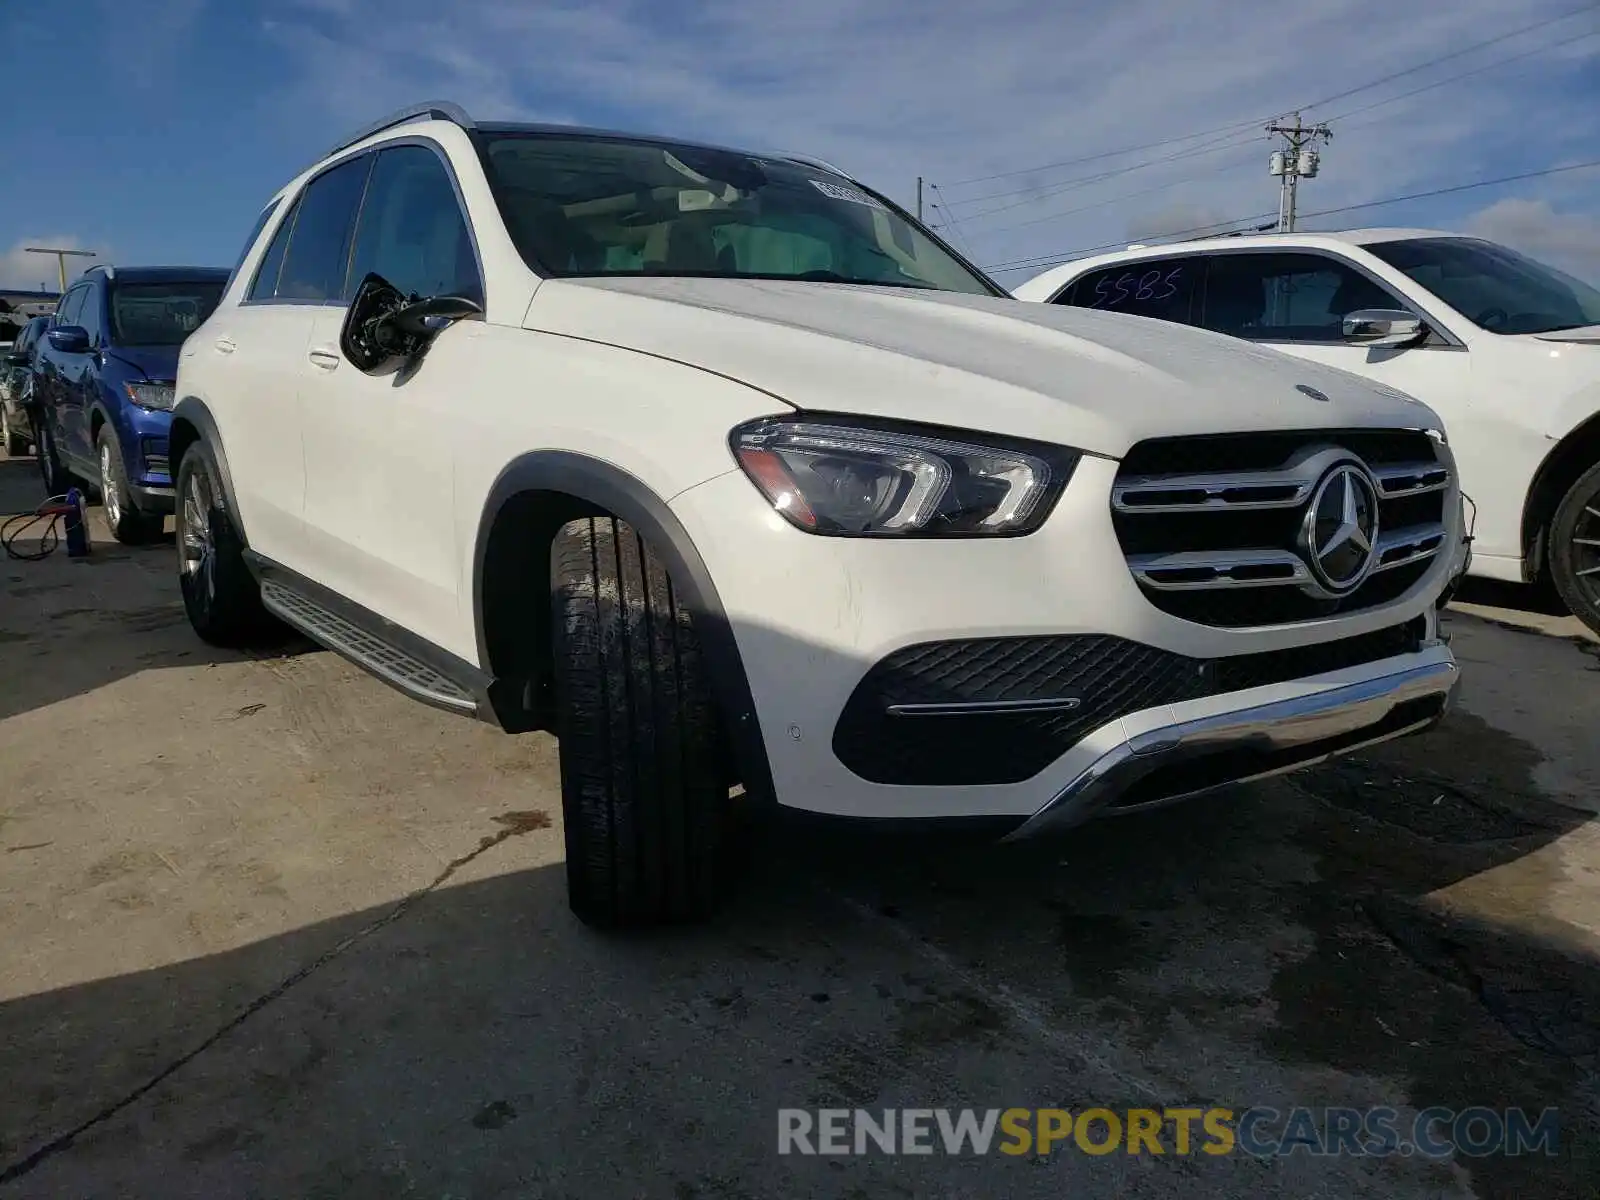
(104,386)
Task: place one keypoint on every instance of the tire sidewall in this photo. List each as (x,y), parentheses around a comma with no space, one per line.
(1585,491)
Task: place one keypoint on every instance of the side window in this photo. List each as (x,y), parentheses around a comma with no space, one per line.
(412,232)
(255,232)
(319,248)
(1287,297)
(92,315)
(69,308)
(265,283)
(1163,288)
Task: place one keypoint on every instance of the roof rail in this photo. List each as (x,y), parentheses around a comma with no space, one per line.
(434,110)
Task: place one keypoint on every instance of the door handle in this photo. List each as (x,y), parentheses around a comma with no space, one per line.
(225,345)
(324,358)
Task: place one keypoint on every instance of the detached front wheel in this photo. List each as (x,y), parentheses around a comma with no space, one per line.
(643,792)
(1575,548)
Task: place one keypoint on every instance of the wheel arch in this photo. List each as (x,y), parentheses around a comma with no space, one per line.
(192,422)
(531,499)
(1567,460)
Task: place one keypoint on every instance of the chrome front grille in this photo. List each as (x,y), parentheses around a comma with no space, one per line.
(1221,530)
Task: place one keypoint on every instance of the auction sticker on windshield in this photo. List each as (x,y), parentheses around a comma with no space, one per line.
(845,193)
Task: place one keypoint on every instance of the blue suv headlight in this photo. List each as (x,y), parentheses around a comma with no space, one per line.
(158,396)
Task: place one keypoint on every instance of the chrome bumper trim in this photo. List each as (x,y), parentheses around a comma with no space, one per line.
(1286,735)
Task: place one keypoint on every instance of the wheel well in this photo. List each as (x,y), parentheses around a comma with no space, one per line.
(97,421)
(1572,456)
(180,437)
(515,598)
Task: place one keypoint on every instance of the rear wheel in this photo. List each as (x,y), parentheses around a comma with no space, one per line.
(13,438)
(128,525)
(643,791)
(56,479)
(1575,548)
(220,595)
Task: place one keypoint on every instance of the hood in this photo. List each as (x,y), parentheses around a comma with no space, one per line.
(1097,381)
(149,362)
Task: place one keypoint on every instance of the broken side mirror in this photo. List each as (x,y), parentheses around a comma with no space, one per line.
(383,326)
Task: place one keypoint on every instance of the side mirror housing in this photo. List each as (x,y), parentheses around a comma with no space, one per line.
(383,326)
(70,339)
(1384,327)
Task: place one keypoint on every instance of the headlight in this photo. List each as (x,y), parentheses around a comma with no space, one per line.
(832,475)
(151,395)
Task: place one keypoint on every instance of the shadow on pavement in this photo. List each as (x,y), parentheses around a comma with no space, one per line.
(477,1041)
(69,626)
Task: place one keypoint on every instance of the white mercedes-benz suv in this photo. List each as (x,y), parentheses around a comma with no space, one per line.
(729,473)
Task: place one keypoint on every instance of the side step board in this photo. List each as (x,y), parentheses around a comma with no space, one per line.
(366,649)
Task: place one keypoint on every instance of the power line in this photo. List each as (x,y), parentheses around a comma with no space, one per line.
(1236,127)
(1118,198)
(1084,181)
(1239,126)
(1463,52)
(943,206)
(1460,187)
(1063,256)
(1428,87)
(1539,49)
(1060,185)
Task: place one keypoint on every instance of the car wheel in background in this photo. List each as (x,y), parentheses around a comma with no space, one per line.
(56,479)
(14,439)
(128,525)
(643,790)
(220,595)
(1575,548)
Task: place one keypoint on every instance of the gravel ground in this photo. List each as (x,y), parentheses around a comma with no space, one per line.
(272,929)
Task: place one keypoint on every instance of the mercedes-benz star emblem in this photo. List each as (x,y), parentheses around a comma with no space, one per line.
(1307,390)
(1340,534)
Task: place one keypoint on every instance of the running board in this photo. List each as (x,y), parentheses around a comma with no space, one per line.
(367,650)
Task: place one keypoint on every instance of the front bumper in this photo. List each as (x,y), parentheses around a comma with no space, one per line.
(1155,758)
(813,616)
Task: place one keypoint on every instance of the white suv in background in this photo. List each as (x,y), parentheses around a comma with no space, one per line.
(725,470)
(1505,349)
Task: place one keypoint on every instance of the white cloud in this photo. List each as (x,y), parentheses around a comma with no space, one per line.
(20,269)
(900,88)
(1570,241)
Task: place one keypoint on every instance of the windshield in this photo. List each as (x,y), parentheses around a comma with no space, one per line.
(1495,288)
(586,205)
(161,314)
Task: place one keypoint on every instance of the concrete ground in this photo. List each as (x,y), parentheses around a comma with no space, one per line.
(273,930)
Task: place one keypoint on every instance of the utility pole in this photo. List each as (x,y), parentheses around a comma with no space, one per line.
(919,197)
(61,259)
(1296,161)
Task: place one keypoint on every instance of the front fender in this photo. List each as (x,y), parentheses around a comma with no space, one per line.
(191,422)
(608,487)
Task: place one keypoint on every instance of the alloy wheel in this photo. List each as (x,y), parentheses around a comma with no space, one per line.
(196,546)
(1586,551)
(108,488)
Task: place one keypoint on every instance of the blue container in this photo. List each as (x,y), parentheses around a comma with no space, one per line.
(77,525)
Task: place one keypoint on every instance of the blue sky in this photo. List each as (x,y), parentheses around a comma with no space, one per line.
(158,127)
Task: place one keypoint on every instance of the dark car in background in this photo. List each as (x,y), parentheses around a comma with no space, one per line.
(104,386)
(16,386)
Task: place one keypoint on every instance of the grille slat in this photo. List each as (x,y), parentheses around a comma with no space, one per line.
(1212,525)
